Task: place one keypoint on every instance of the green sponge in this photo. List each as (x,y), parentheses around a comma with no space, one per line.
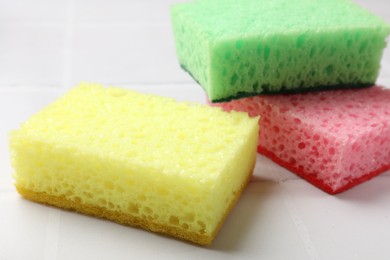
(242,48)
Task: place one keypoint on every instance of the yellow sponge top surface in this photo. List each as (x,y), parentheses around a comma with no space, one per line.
(182,139)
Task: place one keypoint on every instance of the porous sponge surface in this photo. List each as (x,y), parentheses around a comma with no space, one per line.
(240,48)
(175,165)
(334,139)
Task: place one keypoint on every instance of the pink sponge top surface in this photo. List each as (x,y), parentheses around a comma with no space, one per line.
(335,139)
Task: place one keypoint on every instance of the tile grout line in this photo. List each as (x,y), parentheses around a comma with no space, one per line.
(7,192)
(89,24)
(17,87)
(68,46)
(52,234)
(299,223)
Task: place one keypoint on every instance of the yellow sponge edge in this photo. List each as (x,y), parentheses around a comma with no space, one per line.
(142,160)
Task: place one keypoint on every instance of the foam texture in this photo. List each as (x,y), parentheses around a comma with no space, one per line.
(142,160)
(334,139)
(242,48)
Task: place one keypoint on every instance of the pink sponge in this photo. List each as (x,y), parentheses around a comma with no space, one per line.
(333,139)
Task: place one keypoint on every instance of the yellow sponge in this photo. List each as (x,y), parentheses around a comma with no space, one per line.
(140,160)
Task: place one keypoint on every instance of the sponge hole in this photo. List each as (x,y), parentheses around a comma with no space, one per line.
(363,47)
(251,72)
(133,208)
(329,70)
(189,217)
(202,226)
(173,220)
(109,185)
(300,41)
(148,210)
(313,51)
(234,79)
(239,45)
(267,52)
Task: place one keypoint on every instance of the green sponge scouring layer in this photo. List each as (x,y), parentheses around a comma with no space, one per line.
(242,48)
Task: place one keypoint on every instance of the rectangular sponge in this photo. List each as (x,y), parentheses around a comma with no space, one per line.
(333,139)
(243,48)
(141,160)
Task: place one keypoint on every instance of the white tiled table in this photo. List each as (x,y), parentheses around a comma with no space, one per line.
(47,46)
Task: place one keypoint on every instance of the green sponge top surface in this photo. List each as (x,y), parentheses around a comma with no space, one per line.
(248,47)
(232,18)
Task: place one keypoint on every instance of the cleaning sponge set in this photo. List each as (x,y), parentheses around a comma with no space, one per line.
(178,168)
(334,139)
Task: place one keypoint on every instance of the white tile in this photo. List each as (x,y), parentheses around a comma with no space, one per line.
(378,7)
(103,11)
(383,81)
(126,54)
(260,212)
(23,226)
(268,171)
(33,11)
(31,55)
(351,225)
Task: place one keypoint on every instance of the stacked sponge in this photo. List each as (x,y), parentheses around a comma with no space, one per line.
(240,49)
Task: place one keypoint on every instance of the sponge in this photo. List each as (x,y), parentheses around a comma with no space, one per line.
(140,160)
(242,48)
(333,139)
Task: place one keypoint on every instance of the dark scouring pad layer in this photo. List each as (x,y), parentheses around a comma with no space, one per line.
(284,90)
(243,48)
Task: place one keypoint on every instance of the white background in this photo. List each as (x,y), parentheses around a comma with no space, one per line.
(48,46)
